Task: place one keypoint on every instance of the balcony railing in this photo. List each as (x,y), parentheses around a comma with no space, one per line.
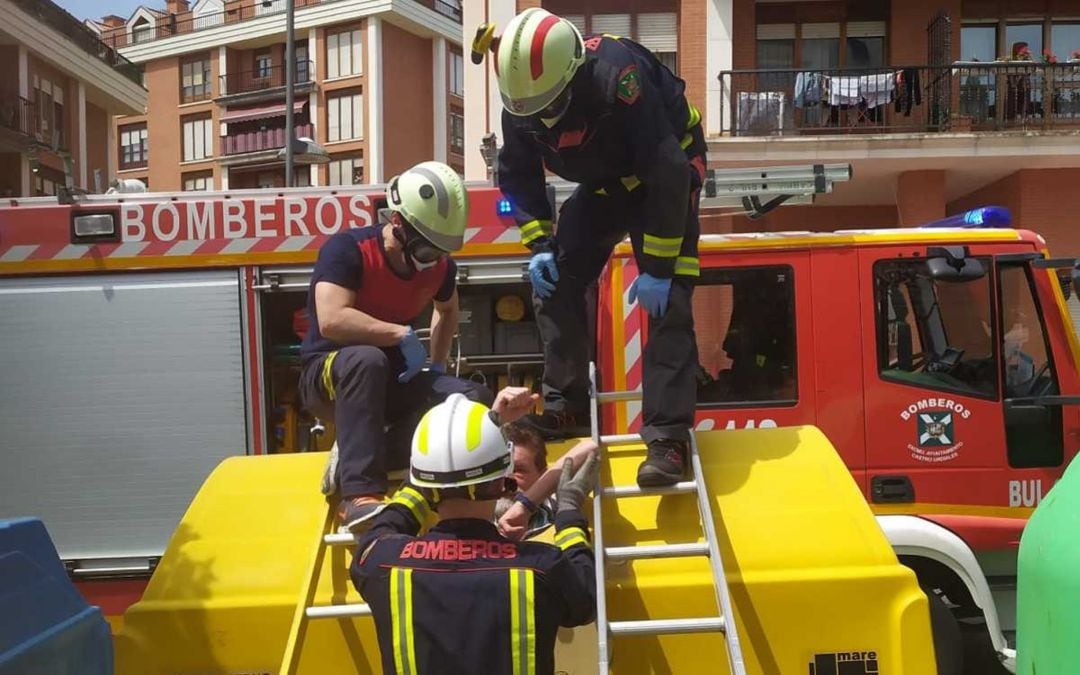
(81,36)
(257,141)
(959,97)
(239,10)
(245,81)
(23,117)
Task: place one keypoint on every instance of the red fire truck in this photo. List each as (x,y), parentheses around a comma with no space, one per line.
(149,336)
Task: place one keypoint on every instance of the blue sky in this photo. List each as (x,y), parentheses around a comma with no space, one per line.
(95,9)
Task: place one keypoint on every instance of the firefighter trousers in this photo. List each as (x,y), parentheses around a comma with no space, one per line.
(374,415)
(589,227)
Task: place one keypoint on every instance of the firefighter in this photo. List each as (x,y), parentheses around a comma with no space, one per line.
(363,365)
(605,113)
(462,598)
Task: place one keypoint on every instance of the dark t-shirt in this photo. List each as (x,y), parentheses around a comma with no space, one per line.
(355,259)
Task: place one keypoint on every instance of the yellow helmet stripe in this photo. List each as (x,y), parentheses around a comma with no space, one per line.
(474,426)
(422,432)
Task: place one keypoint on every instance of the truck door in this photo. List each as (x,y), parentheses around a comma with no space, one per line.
(1040,426)
(935,430)
(754,354)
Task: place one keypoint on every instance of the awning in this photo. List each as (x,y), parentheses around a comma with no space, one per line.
(260,112)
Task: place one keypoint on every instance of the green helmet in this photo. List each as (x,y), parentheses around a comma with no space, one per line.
(432,198)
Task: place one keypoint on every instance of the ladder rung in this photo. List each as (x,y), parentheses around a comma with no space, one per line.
(340,539)
(712,624)
(657,551)
(620,439)
(337,611)
(612,396)
(685,487)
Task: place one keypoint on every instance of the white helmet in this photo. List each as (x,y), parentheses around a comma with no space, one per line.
(432,198)
(457,444)
(537,57)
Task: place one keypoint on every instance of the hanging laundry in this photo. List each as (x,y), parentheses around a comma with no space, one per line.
(908,91)
(876,90)
(809,89)
(843,90)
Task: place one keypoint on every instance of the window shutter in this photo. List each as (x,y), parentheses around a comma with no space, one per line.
(612,24)
(332,122)
(866,29)
(658,31)
(578,20)
(820,30)
(776,31)
(357,116)
(332,55)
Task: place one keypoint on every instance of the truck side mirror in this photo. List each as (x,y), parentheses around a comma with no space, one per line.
(955,269)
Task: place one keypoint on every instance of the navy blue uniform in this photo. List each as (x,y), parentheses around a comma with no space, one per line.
(463,599)
(634,144)
(356,386)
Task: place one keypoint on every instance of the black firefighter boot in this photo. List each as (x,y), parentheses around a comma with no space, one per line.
(664,464)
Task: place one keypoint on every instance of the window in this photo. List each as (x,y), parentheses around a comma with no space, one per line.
(133,148)
(776,51)
(1065,40)
(978,42)
(658,32)
(865,44)
(345,117)
(198,181)
(303,65)
(346,170)
(457,73)
(198,138)
(457,133)
(935,334)
(142,31)
(820,46)
(49,104)
(195,80)
(264,64)
(343,54)
(1033,433)
(746,338)
(1030,34)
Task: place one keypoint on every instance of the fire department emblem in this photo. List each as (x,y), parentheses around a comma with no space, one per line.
(935,436)
(935,429)
(629,87)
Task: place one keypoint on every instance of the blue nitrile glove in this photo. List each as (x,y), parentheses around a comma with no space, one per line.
(415,356)
(652,292)
(538,265)
(439,368)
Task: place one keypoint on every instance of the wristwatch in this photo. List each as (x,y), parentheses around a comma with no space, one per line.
(523,499)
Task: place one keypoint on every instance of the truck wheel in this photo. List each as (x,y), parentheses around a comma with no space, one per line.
(948,643)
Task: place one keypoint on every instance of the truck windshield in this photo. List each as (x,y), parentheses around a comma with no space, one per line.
(936,334)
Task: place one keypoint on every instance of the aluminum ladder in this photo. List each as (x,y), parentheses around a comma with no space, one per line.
(605,630)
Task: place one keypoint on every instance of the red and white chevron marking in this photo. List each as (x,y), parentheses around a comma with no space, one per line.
(632,324)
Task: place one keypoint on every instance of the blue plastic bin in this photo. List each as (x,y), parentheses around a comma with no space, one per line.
(45,625)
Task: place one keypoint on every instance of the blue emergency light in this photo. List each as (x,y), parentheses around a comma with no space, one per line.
(503,207)
(987,216)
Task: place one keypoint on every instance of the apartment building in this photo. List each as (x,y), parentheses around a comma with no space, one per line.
(378,85)
(60,89)
(933,102)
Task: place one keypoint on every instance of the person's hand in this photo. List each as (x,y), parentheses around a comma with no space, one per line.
(575,487)
(415,355)
(543,273)
(513,403)
(653,294)
(514,522)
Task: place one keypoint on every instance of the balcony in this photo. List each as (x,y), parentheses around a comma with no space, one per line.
(52,15)
(238,11)
(961,97)
(264,83)
(261,145)
(24,127)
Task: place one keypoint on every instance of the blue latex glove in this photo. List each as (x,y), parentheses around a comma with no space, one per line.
(538,265)
(652,292)
(439,368)
(415,356)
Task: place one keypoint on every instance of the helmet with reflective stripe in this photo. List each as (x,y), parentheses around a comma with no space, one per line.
(432,198)
(457,444)
(538,56)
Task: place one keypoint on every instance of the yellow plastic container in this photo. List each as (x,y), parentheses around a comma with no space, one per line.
(814,581)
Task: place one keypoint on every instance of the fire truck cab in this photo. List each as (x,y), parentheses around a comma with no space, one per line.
(941,363)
